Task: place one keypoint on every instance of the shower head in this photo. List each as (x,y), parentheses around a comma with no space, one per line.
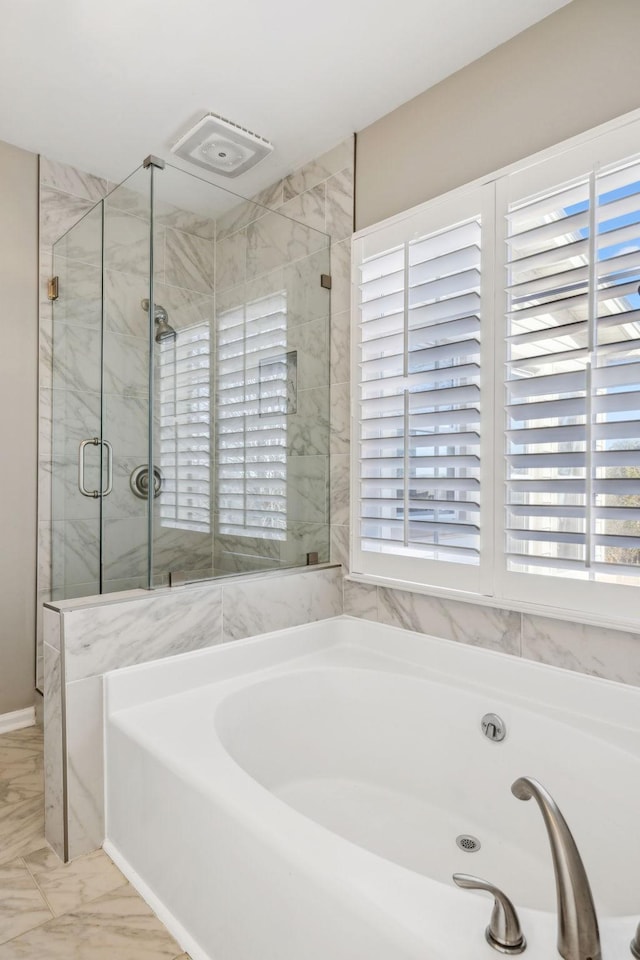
(164,330)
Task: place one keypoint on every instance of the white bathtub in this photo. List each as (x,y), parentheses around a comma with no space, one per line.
(297,796)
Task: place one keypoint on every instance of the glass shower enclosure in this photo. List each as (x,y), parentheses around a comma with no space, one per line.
(190,429)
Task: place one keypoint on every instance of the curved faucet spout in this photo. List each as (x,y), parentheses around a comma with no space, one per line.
(578,936)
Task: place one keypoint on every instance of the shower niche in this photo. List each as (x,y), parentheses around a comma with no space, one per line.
(190,345)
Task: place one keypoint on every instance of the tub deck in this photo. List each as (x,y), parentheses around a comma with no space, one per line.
(299,794)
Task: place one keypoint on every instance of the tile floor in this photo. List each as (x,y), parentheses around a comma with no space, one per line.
(85,910)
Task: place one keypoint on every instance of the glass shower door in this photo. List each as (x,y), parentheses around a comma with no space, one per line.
(100,397)
(78,463)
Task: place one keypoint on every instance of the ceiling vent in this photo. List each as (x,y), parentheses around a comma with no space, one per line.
(222,146)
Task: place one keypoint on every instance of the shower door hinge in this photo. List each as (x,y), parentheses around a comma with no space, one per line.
(325,281)
(52,288)
(312,558)
(152,161)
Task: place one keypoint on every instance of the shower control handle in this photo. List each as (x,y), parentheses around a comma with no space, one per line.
(503,933)
(95,442)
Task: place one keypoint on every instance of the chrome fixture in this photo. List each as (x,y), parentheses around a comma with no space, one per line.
(95,442)
(493,727)
(503,933)
(139,482)
(468,843)
(578,936)
(164,330)
(152,161)
(634,946)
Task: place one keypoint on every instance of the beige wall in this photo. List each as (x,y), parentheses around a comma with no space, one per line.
(575,69)
(18,423)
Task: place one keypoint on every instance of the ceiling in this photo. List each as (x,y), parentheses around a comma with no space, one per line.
(102,85)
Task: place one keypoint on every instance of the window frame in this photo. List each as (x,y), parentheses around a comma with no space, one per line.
(585,601)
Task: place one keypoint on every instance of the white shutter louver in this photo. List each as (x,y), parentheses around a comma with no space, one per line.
(185,428)
(572,381)
(616,378)
(252,369)
(419,392)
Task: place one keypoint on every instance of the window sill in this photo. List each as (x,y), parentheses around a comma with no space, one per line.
(535,609)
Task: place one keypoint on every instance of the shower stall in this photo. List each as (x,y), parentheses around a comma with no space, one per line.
(190,420)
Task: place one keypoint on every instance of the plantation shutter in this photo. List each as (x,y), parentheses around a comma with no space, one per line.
(572,379)
(185,429)
(616,377)
(251,419)
(419,367)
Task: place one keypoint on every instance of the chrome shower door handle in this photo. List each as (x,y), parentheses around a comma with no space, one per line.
(93,442)
(109,487)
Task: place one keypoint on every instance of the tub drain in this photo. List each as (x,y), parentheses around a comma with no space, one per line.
(468,843)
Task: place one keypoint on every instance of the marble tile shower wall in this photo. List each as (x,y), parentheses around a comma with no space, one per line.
(600,652)
(258,253)
(184,252)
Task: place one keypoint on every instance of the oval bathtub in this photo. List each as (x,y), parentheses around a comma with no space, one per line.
(298,795)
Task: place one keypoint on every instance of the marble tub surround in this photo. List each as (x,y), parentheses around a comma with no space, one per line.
(585,648)
(84,910)
(613,654)
(88,637)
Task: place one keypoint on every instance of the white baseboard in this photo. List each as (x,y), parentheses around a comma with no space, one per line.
(17,720)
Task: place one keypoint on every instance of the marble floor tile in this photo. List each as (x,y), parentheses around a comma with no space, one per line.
(119,924)
(67,886)
(32,734)
(14,747)
(21,779)
(83,910)
(21,828)
(22,906)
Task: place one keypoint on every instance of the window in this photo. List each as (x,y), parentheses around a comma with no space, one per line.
(185,416)
(254,375)
(498,385)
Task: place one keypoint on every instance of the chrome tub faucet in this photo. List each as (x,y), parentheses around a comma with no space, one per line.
(578,936)
(503,933)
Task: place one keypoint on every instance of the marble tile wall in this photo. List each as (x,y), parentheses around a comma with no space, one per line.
(183,285)
(85,640)
(257,252)
(597,651)
(53,730)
